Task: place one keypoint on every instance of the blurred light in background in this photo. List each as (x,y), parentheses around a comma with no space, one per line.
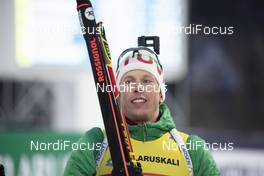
(48,32)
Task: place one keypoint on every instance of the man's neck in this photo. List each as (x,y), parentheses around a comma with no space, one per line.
(136,122)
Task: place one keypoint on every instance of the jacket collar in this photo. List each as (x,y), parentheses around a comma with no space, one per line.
(153,130)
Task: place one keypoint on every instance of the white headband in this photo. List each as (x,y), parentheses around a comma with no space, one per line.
(141,59)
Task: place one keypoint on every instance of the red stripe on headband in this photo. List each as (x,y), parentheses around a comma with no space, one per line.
(145,61)
(82,5)
(126,62)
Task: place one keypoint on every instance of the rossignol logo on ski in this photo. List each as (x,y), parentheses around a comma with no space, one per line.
(89,14)
(97,61)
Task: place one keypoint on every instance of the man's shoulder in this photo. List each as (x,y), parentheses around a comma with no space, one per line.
(93,135)
(192,138)
(202,159)
(184,135)
(195,138)
(196,143)
(82,161)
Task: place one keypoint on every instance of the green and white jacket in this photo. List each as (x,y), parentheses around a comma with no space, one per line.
(83,162)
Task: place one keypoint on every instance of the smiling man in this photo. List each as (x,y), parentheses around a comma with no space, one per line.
(140,102)
(151,126)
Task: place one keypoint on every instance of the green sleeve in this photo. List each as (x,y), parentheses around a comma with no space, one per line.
(203,161)
(82,162)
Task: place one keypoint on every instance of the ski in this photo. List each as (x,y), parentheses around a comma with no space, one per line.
(117,133)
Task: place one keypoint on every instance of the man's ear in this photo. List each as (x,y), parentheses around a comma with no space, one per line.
(160,100)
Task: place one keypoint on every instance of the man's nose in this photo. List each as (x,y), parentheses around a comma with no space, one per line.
(138,87)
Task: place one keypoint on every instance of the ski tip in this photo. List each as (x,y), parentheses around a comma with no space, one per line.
(82,3)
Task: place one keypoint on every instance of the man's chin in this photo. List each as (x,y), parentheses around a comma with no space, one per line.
(143,116)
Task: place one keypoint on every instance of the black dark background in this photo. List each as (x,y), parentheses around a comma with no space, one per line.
(233,97)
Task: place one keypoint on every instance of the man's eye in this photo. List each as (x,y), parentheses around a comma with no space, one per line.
(147,81)
(128,82)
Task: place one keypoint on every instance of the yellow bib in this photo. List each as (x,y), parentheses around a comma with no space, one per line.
(157,157)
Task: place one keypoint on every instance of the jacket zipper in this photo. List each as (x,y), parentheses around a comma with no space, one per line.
(144,132)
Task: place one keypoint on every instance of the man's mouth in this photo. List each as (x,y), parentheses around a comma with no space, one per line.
(138,100)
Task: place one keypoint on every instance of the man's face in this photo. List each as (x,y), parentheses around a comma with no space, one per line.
(140,95)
